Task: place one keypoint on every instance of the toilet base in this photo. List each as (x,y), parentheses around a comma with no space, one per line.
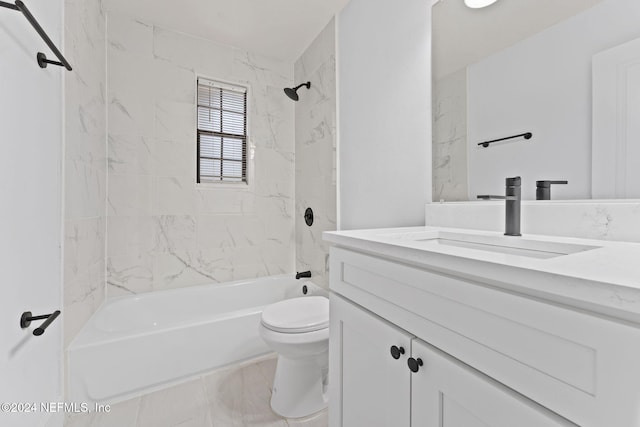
(300,386)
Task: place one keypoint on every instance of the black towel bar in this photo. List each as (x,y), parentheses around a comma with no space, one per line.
(527,135)
(27,317)
(40,57)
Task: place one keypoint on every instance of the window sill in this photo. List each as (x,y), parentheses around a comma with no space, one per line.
(241,186)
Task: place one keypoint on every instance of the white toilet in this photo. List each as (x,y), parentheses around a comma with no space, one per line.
(298,330)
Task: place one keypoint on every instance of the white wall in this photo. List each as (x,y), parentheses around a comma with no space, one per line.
(543,85)
(31,213)
(316,153)
(384,113)
(163,231)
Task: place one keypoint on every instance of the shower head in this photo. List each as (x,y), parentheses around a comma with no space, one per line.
(293,93)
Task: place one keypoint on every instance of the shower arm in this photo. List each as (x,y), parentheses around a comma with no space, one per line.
(307,84)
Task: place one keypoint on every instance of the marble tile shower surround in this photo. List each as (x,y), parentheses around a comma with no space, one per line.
(450,137)
(590,219)
(85,164)
(163,230)
(315,168)
(238,396)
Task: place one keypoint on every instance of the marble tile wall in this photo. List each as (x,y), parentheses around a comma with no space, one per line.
(85,163)
(590,219)
(315,168)
(163,230)
(450,137)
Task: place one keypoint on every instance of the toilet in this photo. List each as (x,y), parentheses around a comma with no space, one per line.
(298,330)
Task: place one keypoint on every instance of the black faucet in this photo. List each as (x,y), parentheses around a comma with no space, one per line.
(512,199)
(543,189)
(303,274)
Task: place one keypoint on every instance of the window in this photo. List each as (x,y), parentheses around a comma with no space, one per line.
(222,132)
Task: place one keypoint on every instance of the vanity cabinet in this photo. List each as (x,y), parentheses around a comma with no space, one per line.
(386,377)
(490,357)
(374,386)
(447,393)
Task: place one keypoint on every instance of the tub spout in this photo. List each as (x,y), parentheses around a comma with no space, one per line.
(302,274)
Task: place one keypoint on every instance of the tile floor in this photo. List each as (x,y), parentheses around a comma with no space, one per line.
(237,396)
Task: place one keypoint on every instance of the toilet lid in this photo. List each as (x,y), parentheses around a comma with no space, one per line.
(304,314)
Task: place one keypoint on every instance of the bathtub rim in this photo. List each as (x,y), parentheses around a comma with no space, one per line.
(81,340)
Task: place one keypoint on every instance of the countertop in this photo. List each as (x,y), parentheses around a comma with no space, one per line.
(603,280)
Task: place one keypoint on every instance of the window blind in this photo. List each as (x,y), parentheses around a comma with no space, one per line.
(222,132)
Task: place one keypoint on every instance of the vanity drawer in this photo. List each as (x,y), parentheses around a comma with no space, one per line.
(575,364)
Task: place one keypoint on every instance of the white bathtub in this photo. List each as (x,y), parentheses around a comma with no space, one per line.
(136,344)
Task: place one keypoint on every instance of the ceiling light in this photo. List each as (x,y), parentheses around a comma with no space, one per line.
(477,4)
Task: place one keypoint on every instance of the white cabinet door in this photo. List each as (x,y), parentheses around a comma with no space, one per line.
(447,393)
(368,386)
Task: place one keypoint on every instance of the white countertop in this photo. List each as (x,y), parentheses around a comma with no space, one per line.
(605,280)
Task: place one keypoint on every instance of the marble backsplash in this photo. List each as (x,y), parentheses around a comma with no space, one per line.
(163,230)
(592,219)
(315,167)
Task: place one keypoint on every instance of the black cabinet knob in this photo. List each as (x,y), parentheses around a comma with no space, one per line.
(414,364)
(396,351)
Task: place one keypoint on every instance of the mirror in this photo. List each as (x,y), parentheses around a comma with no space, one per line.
(547,67)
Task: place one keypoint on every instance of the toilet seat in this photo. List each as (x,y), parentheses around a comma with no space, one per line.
(297,315)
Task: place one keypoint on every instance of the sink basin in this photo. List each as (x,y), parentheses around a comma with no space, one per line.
(498,244)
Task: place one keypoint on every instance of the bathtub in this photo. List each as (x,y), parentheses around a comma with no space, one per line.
(136,344)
